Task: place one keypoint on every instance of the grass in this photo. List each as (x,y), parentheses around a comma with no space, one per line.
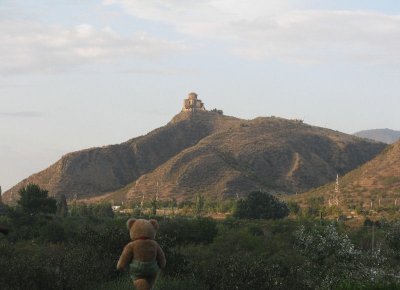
(124,283)
(372,286)
(163,282)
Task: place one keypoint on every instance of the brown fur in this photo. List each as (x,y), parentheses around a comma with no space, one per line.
(145,250)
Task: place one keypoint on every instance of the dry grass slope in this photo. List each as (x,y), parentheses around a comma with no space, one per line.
(96,171)
(272,154)
(378,179)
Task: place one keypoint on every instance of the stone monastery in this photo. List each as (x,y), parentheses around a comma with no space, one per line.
(192,104)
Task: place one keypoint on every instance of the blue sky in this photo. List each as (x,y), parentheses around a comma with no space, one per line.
(77,74)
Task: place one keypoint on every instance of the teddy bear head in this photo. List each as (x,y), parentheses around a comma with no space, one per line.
(142,229)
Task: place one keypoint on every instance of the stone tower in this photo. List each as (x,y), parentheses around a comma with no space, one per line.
(192,104)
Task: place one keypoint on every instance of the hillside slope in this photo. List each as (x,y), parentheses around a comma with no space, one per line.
(377,181)
(272,154)
(94,171)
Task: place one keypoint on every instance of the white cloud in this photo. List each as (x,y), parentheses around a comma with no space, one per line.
(34,47)
(273,30)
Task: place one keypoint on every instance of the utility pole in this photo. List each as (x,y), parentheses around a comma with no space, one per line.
(334,198)
(158,190)
(142,201)
(154,202)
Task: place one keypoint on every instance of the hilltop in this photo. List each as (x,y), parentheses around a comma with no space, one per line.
(201,151)
(381,135)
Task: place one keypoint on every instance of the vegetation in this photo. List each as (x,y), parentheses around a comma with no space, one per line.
(260,205)
(62,206)
(92,210)
(34,200)
(80,251)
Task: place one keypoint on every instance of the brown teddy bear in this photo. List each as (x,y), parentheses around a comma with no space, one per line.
(144,256)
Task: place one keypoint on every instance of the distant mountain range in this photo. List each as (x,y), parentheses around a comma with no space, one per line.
(209,153)
(382,135)
(377,181)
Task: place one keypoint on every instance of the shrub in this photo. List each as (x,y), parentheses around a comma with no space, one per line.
(260,205)
(331,257)
(34,200)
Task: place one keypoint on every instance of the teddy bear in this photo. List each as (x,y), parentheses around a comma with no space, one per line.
(144,256)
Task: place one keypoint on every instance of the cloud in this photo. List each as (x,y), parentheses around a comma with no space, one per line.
(34,47)
(23,114)
(260,29)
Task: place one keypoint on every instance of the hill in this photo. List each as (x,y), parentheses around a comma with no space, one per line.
(381,135)
(377,181)
(95,171)
(206,152)
(272,154)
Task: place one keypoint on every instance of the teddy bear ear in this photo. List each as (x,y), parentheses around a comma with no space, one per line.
(155,224)
(130,223)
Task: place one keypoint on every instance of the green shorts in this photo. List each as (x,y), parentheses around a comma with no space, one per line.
(138,269)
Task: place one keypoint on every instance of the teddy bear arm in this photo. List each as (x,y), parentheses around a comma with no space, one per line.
(160,257)
(126,257)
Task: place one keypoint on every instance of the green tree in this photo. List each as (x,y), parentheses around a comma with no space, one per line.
(174,205)
(293,207)
(34,200)
(199,205)
(62,207)
(260,205)
(79,209)
(331,257)
(154,205)
(315,206)
(102,210)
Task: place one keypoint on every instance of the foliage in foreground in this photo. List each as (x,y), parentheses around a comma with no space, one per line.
(80,251)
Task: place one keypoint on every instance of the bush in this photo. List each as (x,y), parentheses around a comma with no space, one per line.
(331,258)
(34,200)
(260,205)
(186,231)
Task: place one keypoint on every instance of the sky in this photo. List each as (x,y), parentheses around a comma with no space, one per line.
(76,74)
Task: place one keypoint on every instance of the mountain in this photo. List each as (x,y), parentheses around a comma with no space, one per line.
(272,154)
(95,171)
(206,152)
(381,135)
(377,181)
